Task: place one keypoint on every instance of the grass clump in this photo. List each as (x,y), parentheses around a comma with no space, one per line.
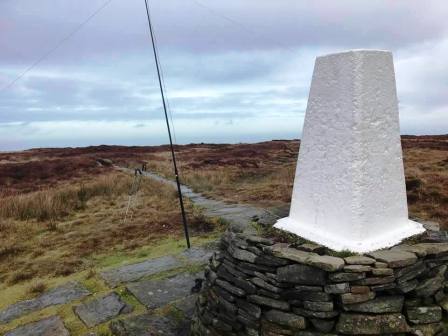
(54,204)
(37,288)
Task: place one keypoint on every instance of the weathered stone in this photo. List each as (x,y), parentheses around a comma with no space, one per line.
(379,305)
(419,251)
(431,329)
(359,260)
(268,302)
(149,325)
(230,288)
(394,258)
(379,264)
(248,287)
(311,247)
(408,286)
(314,314)
(350,298)
(423,315)
(267,293)
(313,296)
(359,289)
(128,273)
(356,324)
(102,309)
(433,249)
(242,255)
(301,274)
(246,320)
(383,287)
(429,286)
(323,326)
(288,320)
(249,268)
(258,240)
(222,292)
(52,326)
(60,295)
(346,277)
(357,268)
(282,251)
(382,271)
(251,309)
(273,329)
(325,262)
(187,305)
(255,250)
(263,284)
(198,254)
(339,288)
(157,293)
(375,280)
(412,302)
(271,261)
(303,288)
(410,272)
(318,306)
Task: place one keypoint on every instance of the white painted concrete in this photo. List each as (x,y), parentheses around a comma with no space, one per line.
(349,189)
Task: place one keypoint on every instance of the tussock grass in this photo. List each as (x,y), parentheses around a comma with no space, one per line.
(54,204)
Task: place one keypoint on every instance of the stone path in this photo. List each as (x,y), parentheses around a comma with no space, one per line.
(103,309)
(59,295)
(157,293)
(235,214)
(152,293)
(175,291)
(52,326)
(134,272)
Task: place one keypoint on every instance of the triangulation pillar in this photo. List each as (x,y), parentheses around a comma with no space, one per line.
(349,189)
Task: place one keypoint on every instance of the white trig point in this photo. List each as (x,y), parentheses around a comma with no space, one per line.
(349,189)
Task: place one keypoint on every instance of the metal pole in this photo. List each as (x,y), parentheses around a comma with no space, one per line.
(176,173)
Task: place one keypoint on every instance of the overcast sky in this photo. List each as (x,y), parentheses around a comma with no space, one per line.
(235,70)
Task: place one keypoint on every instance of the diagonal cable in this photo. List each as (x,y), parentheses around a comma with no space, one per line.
(57,46)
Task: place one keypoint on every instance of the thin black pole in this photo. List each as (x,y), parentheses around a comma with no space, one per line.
(176,173)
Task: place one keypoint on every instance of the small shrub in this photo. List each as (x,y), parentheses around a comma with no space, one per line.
(20,276)
(37,288)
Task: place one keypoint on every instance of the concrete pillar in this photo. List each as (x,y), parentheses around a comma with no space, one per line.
(349,189)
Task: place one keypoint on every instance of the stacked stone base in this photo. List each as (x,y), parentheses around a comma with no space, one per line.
(254,287)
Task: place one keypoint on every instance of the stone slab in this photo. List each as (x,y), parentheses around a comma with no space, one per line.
(379,305)
(198,254)
(157,293)
(52,326)
(187,305)
(357,324)
(134,272)
(149,325)
(394,258)
(60,295)
(102,309)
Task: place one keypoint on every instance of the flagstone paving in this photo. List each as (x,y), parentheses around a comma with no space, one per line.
(174,291)
(149,325)
(157,293)
(52,326)
(102,309)
(59,295)
(127,273)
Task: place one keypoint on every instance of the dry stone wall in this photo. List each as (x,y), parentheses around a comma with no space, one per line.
(255,286)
